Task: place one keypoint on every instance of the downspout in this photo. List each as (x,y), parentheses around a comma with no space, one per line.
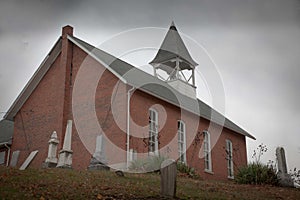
(8,155)
(128,123)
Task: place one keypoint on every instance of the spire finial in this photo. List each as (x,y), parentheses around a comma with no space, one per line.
(173,27)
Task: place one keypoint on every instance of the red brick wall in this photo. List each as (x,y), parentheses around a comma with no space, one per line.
(85,129)
(140,104)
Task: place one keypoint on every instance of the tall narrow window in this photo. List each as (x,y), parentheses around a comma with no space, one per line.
(153,131)
(181,141)
(207,153)
(132,155)
(229,158)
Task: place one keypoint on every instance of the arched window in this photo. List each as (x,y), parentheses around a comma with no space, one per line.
(207,152)
(153,131)
(181,141)
(229,158)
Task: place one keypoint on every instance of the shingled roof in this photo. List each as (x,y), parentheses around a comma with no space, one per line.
(129,75)
(173,47)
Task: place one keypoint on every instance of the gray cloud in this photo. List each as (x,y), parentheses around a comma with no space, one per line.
(30,15)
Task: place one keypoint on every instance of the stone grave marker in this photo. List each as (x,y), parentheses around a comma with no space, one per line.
(98,161)
(28,160)
(51,160)
(168,173)
(65,155)
(285,179)
(14,158)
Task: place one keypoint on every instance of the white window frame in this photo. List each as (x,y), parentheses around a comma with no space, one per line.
(153,132)
(181,131)
(229,159)
(207,152)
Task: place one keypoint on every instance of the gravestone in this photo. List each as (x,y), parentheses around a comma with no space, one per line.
(65,155)
(285,179)
(98,161)
(28,160)
(51,160)
(168,173)
(14,158)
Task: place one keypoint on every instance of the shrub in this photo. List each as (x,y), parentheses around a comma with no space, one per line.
(183,168)
(149,164)
(257,173)
(295,175)
(138,165)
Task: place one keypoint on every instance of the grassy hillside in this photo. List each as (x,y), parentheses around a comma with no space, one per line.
(70,184)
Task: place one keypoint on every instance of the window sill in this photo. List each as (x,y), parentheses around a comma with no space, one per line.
(208,171)
(230,177)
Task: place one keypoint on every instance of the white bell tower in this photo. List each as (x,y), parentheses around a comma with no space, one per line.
(174,59)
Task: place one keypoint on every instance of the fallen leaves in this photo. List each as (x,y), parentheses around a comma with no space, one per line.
(105,185)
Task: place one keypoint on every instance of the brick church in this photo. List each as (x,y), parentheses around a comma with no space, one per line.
(83,105)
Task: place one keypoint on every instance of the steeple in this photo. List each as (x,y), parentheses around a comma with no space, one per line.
(174,58)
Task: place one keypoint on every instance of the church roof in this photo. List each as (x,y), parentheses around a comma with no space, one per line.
(172,47)
(156,87)
(129,75)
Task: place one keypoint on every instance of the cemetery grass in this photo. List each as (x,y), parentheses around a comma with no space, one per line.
(70,184)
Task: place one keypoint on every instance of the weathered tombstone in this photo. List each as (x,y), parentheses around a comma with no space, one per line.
(98,161)
(65,155)
(28,160)
(168,173)
(14,158)
(285,179)
(51,160)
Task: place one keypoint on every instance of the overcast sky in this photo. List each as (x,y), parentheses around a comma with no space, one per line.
(255,45)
